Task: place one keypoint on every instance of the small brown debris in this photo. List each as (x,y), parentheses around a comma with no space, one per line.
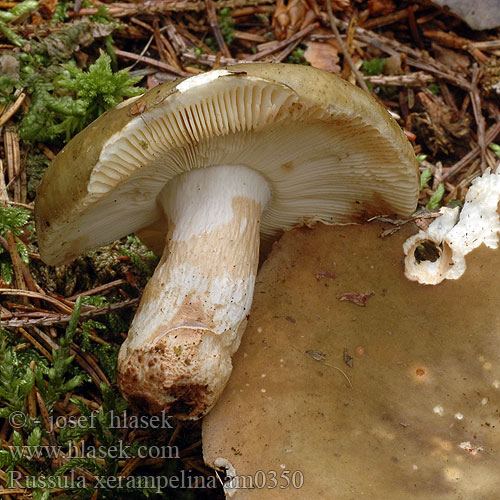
(291,320)
(360,299)
(381,7)
(491,79)
(441,127)
(325,274)
(348,359)
(317,355)
(138,107)
(288,17)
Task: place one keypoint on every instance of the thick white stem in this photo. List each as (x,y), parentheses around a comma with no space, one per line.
(177,356)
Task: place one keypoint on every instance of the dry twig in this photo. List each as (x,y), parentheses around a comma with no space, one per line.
(347,57)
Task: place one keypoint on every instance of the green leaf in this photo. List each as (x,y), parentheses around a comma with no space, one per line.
(18,11)
(60,13)
(17,439)
(91,464)
(73,383)
(16,381)
(23,252)
(495,148)
(35,437)
(95,300)
(39,494)
(7,272)
(425,177)
(84,409)
(62,360)
(26,383)
(436,198)
(13,219)
(11,35)
(455,203)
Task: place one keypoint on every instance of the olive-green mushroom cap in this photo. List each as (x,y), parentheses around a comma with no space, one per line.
(418,418)
(328,150)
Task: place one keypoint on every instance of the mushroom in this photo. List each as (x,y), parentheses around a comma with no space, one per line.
(453,237)
(414,413)
(197,168)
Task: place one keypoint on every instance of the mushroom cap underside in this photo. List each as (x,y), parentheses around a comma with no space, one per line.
(329,152)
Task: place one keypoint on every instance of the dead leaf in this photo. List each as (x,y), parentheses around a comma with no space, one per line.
(323,56)
(138,107)
(393,65)
(288,17)
(47,8)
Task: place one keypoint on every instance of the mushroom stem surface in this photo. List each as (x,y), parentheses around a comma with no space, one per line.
(177,357)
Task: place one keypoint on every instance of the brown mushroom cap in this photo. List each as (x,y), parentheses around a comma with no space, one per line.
(421,420)
(329,152)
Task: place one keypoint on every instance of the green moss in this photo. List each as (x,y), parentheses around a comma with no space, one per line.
(226,23)
(374,66)
(434,88)
(74,99)
(297,57)
(142,258)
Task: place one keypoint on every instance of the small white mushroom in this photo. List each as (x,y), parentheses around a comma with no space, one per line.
(454,237)
(200,169)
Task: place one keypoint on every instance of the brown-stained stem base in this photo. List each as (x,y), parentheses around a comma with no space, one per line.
(179,396)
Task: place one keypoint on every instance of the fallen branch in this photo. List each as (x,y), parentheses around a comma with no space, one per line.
(62,319)
(347,56)
(410,80)
(281,45)
(152,62)
(152,8)
(208,59)
(415,58)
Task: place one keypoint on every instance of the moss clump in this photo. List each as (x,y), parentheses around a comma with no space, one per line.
(75,98)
